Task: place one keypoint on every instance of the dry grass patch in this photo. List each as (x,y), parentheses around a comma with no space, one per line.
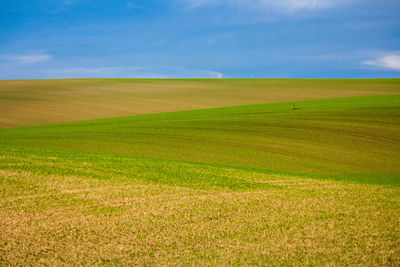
(54,220)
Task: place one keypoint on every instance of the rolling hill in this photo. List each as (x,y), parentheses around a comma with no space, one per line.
(317,183)
(33,102)
(354,138)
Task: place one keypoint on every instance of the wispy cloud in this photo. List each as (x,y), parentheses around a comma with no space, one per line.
(389,61)
(131,5)
(27,59)
(104,72)
(275,5)
(123,72)
(181,72)
(217,38)
(86,70)
(211,74)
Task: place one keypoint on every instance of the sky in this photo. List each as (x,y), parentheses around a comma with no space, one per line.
(43,39)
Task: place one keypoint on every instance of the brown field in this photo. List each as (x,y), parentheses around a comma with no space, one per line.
(32,102)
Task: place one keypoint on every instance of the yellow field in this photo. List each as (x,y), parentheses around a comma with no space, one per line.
(73,220)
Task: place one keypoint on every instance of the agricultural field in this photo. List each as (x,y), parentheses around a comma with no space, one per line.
(32,102)
(200,172)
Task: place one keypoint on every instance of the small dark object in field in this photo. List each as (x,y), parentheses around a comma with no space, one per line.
(294,106)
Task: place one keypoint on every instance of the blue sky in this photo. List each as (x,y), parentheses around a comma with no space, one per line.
(199,38)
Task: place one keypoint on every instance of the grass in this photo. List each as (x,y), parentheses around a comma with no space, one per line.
(69,220)
(354,139)
(260,184)
(33,102)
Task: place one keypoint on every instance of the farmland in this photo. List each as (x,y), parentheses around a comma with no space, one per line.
(205,176)
(32,102)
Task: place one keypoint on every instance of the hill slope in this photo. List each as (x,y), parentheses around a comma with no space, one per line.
(32,102)
(348,138)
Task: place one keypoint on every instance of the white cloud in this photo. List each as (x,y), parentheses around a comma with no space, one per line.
(129,72)
(211,74)
(179,72)
(102,70)
(28,59)
(275,5)
(389,61)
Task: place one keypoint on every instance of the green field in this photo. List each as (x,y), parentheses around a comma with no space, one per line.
(258,184)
